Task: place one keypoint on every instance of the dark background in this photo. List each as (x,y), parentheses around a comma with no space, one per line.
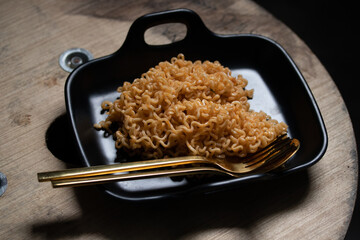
(331,31)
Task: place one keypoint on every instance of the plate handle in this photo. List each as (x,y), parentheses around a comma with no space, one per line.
(196,29)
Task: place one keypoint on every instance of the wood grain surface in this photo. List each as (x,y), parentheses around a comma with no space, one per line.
(313,204)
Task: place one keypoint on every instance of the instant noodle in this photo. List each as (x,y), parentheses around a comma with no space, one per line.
(182,108)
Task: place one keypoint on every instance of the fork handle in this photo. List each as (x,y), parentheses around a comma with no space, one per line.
(118,167)
(85,181)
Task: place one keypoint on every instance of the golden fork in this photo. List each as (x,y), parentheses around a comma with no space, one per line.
(269,165)
(277,152)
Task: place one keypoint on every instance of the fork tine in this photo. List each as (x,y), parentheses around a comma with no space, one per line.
(253,161)
(273,150)
(281,157)
(268,150)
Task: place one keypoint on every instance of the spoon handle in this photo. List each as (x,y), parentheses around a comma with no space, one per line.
(118,167)
(93,180)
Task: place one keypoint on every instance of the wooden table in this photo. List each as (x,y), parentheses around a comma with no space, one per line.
(313,204)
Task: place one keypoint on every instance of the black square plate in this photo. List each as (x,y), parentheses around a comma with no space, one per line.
(280,91)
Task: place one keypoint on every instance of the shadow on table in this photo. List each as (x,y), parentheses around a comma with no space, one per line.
(240,208)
